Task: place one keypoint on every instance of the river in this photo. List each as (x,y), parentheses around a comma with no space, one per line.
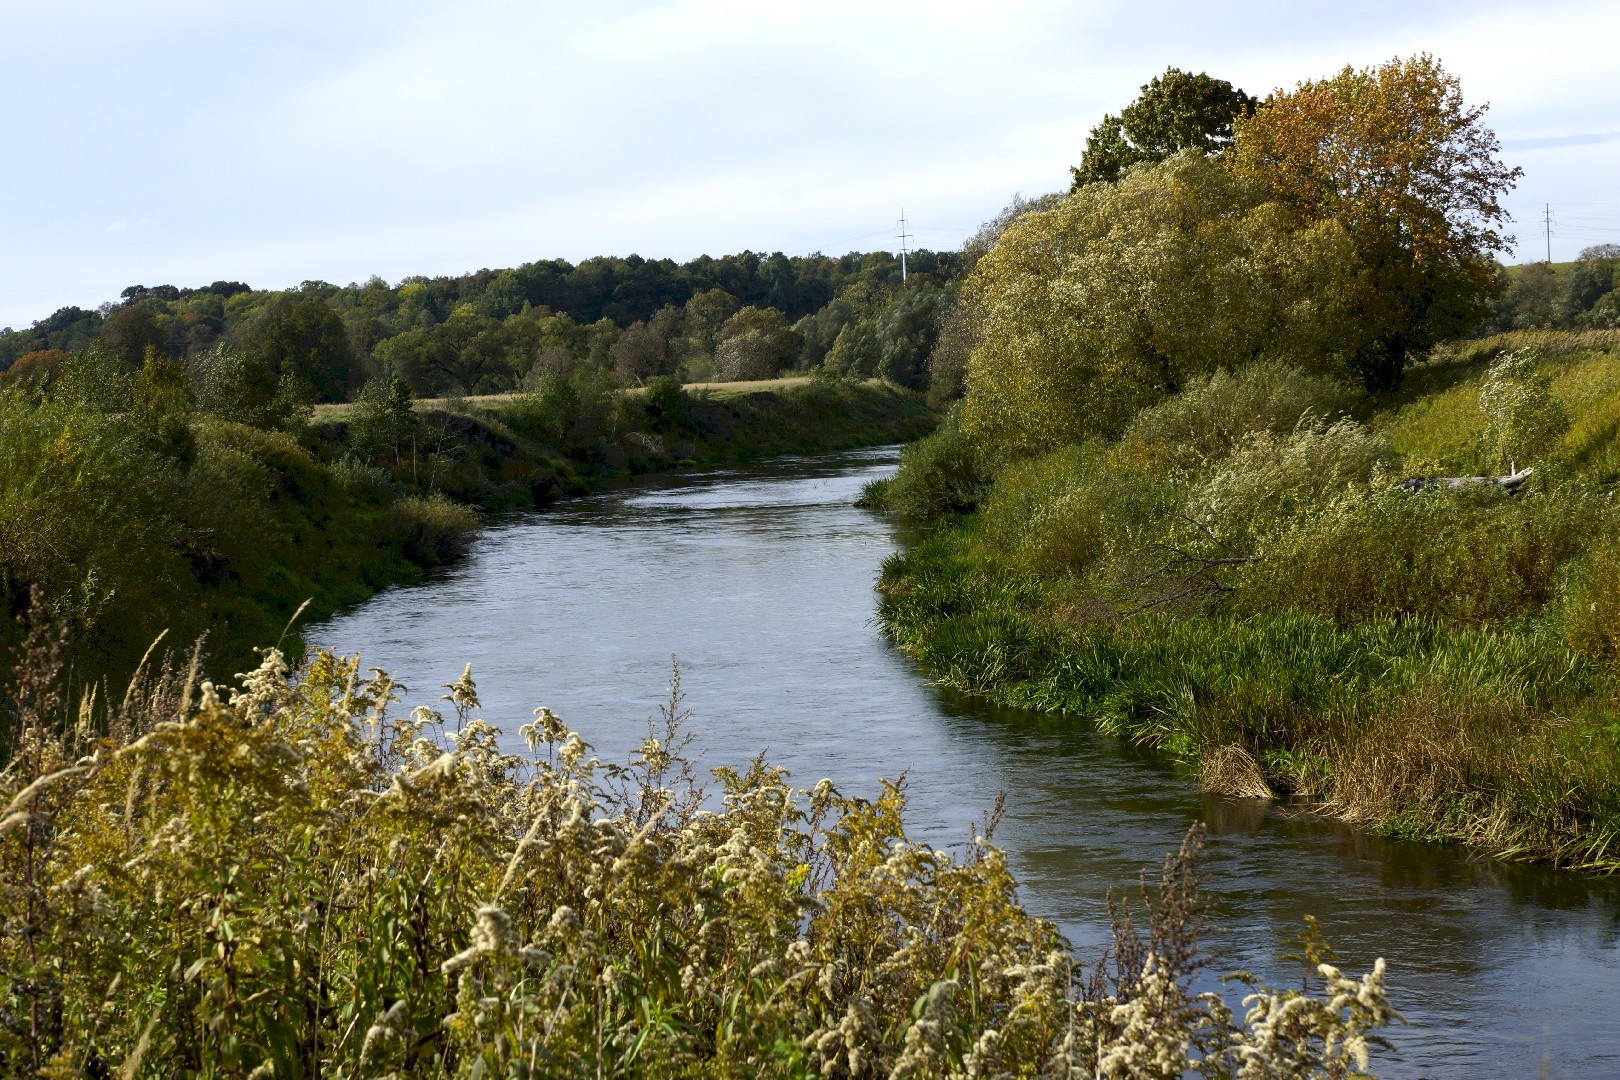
(759,581)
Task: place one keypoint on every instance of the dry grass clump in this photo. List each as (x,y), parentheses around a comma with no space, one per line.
(1232,770)
(292,879)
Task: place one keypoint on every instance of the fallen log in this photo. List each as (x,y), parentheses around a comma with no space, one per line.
(1510,482)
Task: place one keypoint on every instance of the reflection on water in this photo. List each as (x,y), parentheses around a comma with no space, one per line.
(760,582)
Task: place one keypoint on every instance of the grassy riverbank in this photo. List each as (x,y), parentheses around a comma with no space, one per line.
(1259,596)
(134,510)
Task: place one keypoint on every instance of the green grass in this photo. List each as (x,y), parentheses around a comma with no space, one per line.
(1436,665)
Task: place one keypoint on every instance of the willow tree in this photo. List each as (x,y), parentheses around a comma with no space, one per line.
(1411,172)
(1120,293)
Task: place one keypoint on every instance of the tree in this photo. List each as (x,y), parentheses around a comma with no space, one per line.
(640,354)
(37,368)
(304,338)
(855,353)
(706,312)
(382,420)
(907,330)
(755,343)
(1177,111)
(1121,293)
(1411,172)
(1591,278)
(129,332)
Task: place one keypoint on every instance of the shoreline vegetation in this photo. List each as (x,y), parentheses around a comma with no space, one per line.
(1285,616)
(163,517)
(1225,475)
(399,896)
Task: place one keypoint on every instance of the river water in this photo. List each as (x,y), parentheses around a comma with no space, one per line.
(760,582)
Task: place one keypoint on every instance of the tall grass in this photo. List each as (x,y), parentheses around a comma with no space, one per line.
(1260,598)
(292,878)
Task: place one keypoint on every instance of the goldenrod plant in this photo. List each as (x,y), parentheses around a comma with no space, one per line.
(291,877)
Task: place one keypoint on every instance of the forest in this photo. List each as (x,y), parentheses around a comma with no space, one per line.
(743,316)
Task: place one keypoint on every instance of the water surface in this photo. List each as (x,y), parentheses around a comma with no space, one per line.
(760,582)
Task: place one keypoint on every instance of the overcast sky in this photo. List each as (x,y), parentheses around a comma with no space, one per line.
(182,141)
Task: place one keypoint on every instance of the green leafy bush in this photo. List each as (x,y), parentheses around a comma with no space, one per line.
(431,529)
(1207,420)
(1464,557)
(940,474)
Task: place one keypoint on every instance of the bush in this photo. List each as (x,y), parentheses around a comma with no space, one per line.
(1272,477)
(382,420)
(403,900)
(1523,419)
(432,530)
(1203,423)
(1468,557)
(939,474)
(666,403)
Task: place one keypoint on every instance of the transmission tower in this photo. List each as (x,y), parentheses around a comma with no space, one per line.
(905,239)
(1547,224)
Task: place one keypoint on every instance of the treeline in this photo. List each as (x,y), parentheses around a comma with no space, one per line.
(743,316)
(1582,295)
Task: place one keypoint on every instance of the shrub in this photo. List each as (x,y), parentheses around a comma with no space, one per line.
(939,474)
(1591,602)
(432,530)
(666,403)
(1270,477)
(400,899)
(382,420)
(1470,557)
(1523,419)
(1203,423)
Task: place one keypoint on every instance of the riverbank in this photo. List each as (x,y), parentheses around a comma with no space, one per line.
(164,518)
(1287,620)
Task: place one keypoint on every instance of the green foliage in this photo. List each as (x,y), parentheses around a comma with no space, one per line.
(245,389)
(1524,422)
(398,895)
(666,403)
(1201,425)
(1242,580)
(1124,293)
(1177,111)
(939,474)
(755,343)
(383,423)
(1411,174)
(303,338)
(855,353)
(431,530)
(1461,558)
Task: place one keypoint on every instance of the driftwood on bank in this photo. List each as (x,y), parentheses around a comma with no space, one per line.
(1510,482)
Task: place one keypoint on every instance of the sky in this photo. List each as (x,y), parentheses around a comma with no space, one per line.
(187,141)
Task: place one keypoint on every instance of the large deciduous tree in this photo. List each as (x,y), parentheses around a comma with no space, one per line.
(1395,155)
(1177,111)
(1121,293)
(304,337)
(755,343)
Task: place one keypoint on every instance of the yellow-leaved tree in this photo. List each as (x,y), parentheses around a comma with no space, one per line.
(1411,172)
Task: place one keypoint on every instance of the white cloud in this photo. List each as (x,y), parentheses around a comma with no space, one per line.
(412,137)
